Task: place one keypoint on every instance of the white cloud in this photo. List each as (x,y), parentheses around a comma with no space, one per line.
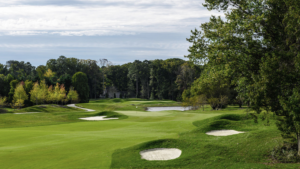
(149,45)
(129,17)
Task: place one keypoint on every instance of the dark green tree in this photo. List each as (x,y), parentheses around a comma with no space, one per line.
(13,84)
(80,83)
(257,46)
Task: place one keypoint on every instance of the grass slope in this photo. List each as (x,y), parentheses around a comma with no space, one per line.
(249,150)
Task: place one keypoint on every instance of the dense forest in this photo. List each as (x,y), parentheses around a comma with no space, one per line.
(153,79)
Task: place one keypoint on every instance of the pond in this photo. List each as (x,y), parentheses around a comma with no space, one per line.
(168,108)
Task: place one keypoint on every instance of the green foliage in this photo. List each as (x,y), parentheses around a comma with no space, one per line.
(256,49)
(13,84)
(73,95)
(19,96)
(80,83)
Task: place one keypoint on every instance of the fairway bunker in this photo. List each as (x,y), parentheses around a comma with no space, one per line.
(168,108)
(160,154)
(97,118)
(223,132)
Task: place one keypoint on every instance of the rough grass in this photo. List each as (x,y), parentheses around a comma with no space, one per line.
(248,150)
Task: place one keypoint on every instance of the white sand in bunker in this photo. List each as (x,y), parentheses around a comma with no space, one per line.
(160,154)
(223,132)
(97,118)
(74,106)
(28,113)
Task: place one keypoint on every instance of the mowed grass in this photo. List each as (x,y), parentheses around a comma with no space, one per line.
(78,144)
(61,140)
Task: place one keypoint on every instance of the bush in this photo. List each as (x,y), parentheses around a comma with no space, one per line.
(287,153)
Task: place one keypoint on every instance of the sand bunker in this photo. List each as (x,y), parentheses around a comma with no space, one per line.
(28,113)
(97,118)
(160,154)
(168,108)
(223,132)
(73,105)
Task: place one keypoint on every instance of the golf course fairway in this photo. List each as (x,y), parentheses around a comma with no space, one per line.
(70,143)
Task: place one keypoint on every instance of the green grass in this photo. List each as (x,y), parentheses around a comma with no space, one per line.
(58,139)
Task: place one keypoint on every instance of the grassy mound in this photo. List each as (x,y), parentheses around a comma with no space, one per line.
(111,114)
(47,108)
(248,150)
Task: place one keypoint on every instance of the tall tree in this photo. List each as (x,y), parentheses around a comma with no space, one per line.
(80,83)
(13,85)
(35,93)
(258,45)
(19,95)
(134,73)
(72,95)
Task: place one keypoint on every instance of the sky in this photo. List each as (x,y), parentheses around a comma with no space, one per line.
(119,30)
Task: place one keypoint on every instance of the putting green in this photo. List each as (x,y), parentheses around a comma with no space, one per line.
(86,144)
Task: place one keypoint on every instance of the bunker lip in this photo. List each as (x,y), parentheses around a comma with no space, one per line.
(73,105)
(97,118)
(223,132)
(160,154)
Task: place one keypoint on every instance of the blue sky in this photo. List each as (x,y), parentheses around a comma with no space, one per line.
(120,30)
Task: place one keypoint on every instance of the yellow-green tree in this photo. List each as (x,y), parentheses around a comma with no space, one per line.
(63,94)
(35,93)
(50,94)
(56,96)
(43,92)
(73,95)
(3,101)
(49,73)
(19,96)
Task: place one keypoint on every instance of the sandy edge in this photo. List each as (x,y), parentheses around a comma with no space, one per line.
(160,154)
(97,118)
(223,132)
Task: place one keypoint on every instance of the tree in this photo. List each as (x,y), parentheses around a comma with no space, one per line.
(103,63)
(43,92)
(56,96)
(28,86)
(134,72)
(49,73)
(185,78)
(72,95)
(35,93)
(13,85)
(257,45)
(63,94)
(19,95)
(2,101)
(50,96)
(41,70)
(80,83)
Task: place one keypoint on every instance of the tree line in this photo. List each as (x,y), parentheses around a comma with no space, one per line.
(253,52)
(148,79)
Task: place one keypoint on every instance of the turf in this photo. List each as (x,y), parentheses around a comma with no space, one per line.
(60,140)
